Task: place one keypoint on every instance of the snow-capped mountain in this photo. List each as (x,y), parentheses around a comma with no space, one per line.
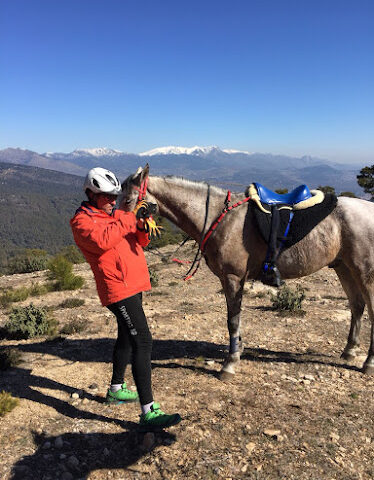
(210,163)
(196,150)
(87,152)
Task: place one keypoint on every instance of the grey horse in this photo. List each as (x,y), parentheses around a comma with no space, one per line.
(344,240)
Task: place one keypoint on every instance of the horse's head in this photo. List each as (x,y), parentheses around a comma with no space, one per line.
(131,187)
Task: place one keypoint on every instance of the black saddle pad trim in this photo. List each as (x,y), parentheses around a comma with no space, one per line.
(302,223)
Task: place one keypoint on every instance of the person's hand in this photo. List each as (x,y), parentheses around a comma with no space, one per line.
(152,228)
(145,209)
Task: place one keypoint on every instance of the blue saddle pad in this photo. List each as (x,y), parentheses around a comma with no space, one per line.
(269,197)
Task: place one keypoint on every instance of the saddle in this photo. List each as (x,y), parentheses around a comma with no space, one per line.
(285,219)
(298,199)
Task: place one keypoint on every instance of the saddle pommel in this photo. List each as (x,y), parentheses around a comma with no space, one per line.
(299,194)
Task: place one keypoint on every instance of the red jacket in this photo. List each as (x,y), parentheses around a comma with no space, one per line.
(112,245)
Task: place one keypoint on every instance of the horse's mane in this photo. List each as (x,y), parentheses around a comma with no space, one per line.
(181,181)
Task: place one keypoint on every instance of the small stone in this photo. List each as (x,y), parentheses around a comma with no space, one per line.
(75,395)
(106,452)
(250,447)
(67,476)
(85,401)
(73,461)
(47,445)
(272,433)
(59,443)
(93,386)
(244,468)
(309,377)
(209,362)
(334,437)
(62,456)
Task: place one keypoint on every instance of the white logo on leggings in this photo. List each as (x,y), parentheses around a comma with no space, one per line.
(128,320)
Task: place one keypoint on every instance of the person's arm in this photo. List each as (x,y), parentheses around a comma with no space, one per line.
(99,238)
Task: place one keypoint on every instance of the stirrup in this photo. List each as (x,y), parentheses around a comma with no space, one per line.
(270,275)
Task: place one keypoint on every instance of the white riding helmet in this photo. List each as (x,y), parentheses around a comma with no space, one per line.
(101,180)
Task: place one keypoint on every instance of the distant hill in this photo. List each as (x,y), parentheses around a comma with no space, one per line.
(228,168)
(35,207)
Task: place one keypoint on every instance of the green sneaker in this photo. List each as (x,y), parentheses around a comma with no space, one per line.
(156,419)
(123,395)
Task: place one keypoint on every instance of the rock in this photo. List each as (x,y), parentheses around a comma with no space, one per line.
(309,377)
(209,362)
(93,386)
(59,443)
(106,452)
(75,395)
(46,445)
(250,447)
(275,434)
(334,437)
(85,401)
(73,462)
(244,468)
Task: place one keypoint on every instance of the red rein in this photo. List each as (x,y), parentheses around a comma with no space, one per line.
(214,225)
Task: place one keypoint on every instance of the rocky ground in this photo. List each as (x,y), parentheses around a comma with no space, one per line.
(294,410)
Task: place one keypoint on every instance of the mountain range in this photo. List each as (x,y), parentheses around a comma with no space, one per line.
(233,169)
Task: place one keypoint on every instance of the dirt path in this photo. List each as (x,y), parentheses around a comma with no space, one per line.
(293,411)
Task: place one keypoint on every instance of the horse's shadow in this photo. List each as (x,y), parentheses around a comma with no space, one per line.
(79,454)
(100,350)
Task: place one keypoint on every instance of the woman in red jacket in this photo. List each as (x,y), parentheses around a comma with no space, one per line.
(112,242)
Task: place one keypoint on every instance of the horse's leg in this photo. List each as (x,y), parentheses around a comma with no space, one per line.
(357,305)
(233,288)
(368,366)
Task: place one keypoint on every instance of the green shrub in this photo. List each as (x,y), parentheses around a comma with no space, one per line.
(74,326)
(288,300)
(73,254)
(153,277)
(10,357)
(61,271)
(7,403)
(38,289)
(31,260)
(71,303)
(12,295)
(29,322)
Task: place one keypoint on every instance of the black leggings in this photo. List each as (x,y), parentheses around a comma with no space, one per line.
(134,343)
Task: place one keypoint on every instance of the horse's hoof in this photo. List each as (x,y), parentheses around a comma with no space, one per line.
(348,356)
(368,369)
(226,376)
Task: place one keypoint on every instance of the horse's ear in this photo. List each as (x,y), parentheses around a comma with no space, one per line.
(145,171)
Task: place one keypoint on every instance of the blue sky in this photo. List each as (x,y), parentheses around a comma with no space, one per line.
(279,76)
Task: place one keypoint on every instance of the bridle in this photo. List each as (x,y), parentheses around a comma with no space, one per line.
(142,190)
(205,237)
